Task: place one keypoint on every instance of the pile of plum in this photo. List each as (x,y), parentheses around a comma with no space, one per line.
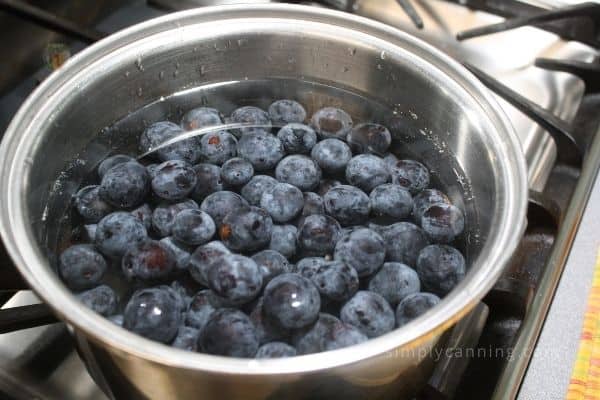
(270,241)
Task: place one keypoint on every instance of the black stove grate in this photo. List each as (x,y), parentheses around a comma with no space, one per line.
(48,20)
(580,22)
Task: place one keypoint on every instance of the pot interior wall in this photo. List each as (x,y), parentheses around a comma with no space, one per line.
(255,63)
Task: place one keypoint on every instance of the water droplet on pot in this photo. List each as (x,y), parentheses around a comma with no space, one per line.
(138,64)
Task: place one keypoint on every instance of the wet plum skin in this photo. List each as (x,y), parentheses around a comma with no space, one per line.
(81,266)
(358,233)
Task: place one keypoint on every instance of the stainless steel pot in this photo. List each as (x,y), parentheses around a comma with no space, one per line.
(442,111)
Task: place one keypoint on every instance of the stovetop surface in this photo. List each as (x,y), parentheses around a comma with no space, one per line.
(41,362)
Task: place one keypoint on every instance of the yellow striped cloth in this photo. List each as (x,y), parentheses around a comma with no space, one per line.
(585,378)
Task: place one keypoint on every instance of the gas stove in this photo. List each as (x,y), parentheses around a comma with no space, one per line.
(539,57)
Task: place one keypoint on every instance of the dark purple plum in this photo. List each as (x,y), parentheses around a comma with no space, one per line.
(118,231)
(230,333)
(201,308)
(164,215)
(266,329)
(271,263)
(193,227)
(275,350)
(317,235)
(250,115)
(254,189)
(201,117)
(219,204)
(363,249)
(300,171)
(283,202)
(246,229)
(236,278)
(336,281)
(111,161)
(186,339)
(331,122)
(297,138)
(262,150)
(414,306)
(286,111)
(369,138)
(144,214)
(153,313)
(203,258)
(101,299)
(283,240)
(313,204)
(369,313)
(217,147)
(312,338)
(343,335)
(90,205)
(156,134)
(160,132)
(292,301)
(81,266)
(174,180)
(125,185)
(391,202)
(440,268)
(410,174)
(347,204)
(208,181)
(148,260)
(332,155)
(394,281)
(443,222)
(403,242)
(367,171)
(425,199)
(237,171)
(308,267)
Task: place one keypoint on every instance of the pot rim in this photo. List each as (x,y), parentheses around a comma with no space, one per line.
(36,270)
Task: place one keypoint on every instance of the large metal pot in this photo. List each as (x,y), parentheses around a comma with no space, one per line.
(448,118)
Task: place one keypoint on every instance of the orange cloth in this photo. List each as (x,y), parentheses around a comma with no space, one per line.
(585,378)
